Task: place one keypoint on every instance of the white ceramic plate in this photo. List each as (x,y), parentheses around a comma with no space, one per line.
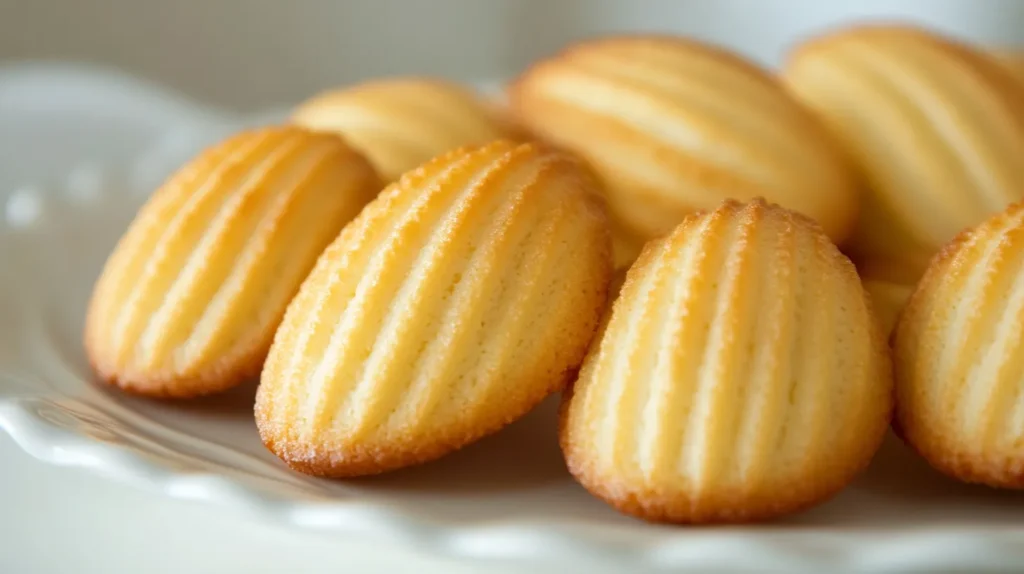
(80,150)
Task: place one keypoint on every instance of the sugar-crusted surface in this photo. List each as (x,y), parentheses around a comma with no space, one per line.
(673,125)
(188,301)
(457,300)
(959,356)
(400,123)
(935,126)
(740,374)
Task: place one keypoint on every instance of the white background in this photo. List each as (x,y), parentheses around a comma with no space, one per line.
(251,53)
(254,53)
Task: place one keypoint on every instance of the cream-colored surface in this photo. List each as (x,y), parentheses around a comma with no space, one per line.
(741,374)
(672,125)
(936,127)
(399,123)
(452,305)
(959,356)
(50,506)
(188,301)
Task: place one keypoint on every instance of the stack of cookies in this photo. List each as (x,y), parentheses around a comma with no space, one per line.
(738,279)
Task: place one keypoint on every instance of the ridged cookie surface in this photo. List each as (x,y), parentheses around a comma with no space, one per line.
(461,297)
(740,375)
(935,126)
(402,122)
(959,356)
(672,126)
(188,301)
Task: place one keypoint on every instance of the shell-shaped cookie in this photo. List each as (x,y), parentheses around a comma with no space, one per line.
(1012,59)
(740,374)
(887,299)
(889,285)
(461,297)
(188,301)
(935,126)
(400,123)
(672,126)
(959,356)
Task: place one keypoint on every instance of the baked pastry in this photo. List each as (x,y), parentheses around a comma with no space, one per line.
(958,352)
(741,374)
(188,301)
(465,294)
(1012,59)
(673,125)
(889,285)
(626,245)
(401,122)
(887,299)
(935,126)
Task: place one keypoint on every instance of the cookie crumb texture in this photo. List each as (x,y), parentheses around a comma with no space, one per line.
(188,301)
(455,303)
(740,375)
(673,125)
(959,356)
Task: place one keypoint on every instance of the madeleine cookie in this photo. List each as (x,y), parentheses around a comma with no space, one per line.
(959,356)
(888,299)
(1012,59)
(935,126)
(889,285)
(460,298)
(400,123)
(741,374)
(188,301)
(672,126)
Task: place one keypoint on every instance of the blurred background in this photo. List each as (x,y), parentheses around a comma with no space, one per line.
(251,54)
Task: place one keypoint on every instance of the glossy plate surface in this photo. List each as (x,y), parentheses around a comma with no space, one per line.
(80,149)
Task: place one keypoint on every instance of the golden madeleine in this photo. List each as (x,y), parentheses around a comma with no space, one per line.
(887,299)
(740,374)
(626,245)
(401,122)
(1012,58)
(889,285)
(935,127)
(673,125)
(460,298)
(959,356)
(188,301)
